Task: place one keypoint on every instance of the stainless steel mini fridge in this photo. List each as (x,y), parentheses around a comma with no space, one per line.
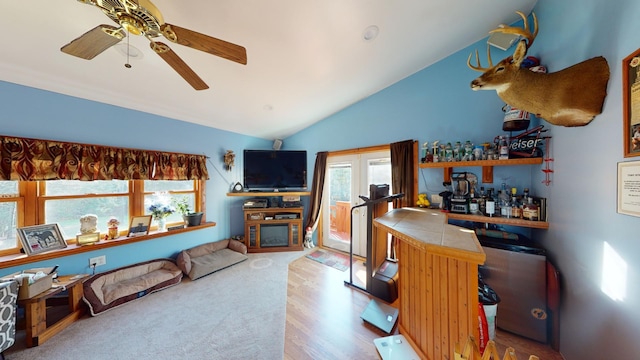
(518,274)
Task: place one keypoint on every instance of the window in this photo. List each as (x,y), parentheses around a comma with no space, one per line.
(177,191)
(24,203)
(65,201)
(10,202)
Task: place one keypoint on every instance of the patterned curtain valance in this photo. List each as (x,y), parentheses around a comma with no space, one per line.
(33,159)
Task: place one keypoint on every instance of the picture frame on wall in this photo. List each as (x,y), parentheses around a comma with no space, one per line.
(631,104)
(628,197)
(37,239)
(140,225)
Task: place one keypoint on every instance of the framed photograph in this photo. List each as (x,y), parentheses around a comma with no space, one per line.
(87,239)
(140,225)
(631,104)
(40,238)
(629,188)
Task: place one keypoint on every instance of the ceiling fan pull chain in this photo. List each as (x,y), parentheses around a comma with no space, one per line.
(127,65)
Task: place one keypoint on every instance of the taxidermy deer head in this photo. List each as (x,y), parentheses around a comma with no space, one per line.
(569,97)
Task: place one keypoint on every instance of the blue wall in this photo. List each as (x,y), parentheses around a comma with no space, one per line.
(433,104)
(33,113)
(437,104)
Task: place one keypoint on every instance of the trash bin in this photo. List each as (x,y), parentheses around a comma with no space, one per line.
(489,300)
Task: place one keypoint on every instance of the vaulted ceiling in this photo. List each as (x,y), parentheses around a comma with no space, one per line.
(306,59)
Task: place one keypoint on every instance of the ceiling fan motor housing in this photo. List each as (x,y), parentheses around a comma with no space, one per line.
(140,17)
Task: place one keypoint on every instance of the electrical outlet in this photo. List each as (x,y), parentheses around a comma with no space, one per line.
(98,260)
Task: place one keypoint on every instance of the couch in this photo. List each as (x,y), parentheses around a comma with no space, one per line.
(107,290)
(205,259)
(8,310)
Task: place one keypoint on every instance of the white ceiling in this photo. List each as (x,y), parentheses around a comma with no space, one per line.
(306,59)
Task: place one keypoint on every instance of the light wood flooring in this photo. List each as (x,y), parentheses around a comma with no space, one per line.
(323,318)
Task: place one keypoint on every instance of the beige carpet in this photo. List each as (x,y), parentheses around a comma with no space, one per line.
(236,313)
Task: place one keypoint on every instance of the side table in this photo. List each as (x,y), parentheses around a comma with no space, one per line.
(36,309)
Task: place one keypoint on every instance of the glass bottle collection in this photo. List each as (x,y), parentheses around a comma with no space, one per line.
(506,203)
(467,151)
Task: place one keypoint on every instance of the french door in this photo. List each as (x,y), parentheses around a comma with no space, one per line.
(347,178)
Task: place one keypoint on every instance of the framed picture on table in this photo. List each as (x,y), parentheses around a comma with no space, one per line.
(140,225)
(40,238)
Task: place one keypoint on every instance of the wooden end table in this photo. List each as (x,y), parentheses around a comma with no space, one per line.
(36,309)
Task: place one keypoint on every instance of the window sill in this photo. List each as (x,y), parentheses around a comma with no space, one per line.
(73,249)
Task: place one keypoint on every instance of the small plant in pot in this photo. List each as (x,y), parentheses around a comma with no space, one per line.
(190,218)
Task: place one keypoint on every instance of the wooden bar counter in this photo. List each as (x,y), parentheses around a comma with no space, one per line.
(437,281)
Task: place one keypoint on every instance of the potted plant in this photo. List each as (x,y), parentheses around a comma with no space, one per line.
(190,218)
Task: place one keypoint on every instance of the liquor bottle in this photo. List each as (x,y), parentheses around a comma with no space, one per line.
(482,201)
(504,199)
(473,201)
(503,148)
(516,210)
(490,203)
(530,210)
(491,206)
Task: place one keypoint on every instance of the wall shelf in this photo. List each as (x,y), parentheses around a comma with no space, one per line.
(271,193)
(499,220)
(487,166)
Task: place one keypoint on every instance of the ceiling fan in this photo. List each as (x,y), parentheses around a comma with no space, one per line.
(141,17)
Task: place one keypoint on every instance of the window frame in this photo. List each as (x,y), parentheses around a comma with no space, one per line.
(31,204)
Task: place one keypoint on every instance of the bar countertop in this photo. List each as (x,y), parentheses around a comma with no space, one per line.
(428,229)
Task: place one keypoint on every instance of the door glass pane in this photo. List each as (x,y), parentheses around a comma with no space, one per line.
(379,172)
(340,203)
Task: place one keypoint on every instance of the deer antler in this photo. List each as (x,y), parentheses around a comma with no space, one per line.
(478,67)
(524,32)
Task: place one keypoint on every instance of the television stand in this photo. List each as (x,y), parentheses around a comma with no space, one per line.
(273,229)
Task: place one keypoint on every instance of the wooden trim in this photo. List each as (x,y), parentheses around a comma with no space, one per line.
(22,259)
(271,193)
(360,150)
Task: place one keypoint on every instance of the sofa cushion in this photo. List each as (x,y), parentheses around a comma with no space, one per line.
(116,287)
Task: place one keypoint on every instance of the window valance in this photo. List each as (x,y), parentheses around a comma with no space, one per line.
(34,159)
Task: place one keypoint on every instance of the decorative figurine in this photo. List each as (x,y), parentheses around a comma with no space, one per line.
(229,158)
(88,224)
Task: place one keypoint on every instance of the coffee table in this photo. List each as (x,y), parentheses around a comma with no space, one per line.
(38,331)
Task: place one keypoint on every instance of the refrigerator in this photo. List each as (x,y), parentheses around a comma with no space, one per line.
(517,272)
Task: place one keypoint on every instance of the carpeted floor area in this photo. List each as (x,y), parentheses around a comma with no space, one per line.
(236,313)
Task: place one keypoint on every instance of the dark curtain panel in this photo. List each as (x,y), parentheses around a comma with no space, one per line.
(33,159)
(316,189)
(402,171)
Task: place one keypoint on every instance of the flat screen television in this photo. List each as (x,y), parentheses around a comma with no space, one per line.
(268,170)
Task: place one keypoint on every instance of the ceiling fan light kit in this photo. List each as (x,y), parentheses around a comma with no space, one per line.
(141,17)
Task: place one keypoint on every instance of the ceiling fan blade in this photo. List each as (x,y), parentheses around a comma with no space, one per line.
(178,65)
(94,41)
(205,43)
